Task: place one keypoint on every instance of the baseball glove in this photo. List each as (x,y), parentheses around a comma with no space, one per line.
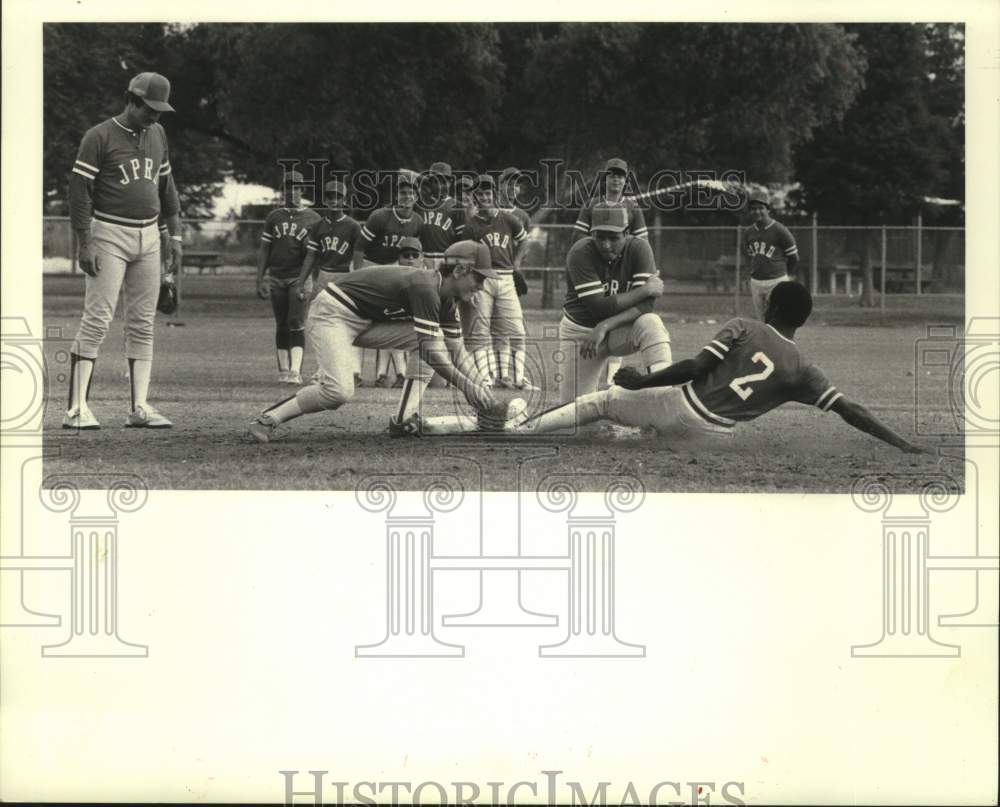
(520,283)
(167,301)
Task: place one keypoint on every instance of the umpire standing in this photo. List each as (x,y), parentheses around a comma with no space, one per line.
(120,187)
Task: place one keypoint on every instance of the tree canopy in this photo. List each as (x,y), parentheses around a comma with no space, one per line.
(876,110)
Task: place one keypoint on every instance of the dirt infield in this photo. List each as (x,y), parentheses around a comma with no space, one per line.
(215,370)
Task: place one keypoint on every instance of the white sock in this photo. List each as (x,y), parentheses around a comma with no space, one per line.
(482,357)
(295,354)
(503,360)
(284,361)
(139,372)
(381,363)
(409,400)
(399,361)
(79,382)
(285,410)
(359,359)
(491,359)
(585,409)
(519,366)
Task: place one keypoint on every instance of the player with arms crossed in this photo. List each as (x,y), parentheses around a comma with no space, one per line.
(771,249)
(615,179)
(397,307)
(497,309)
(121,185)
(611,283)
(747,370)
(283,248)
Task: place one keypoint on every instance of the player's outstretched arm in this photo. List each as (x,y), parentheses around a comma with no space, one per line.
(856,415)
(679,372)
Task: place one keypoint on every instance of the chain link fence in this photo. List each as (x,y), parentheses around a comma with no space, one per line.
(704,260)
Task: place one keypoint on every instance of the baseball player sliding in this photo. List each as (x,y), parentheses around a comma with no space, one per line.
(391,307)
(747,370)
(121,185)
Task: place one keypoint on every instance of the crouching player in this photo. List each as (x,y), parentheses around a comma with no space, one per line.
(397,308)
(749,369)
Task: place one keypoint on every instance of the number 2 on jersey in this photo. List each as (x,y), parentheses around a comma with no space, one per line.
(739,385)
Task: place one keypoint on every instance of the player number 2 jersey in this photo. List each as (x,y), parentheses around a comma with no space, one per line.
(760,370)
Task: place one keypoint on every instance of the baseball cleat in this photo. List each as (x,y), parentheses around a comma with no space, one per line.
(293,377)
(81,419)
(359,382)
(282,376)
(398,383)
(405,428)
(145,417)
(382,381)
(262,428)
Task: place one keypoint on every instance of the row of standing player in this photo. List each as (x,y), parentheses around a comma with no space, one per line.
(301,250)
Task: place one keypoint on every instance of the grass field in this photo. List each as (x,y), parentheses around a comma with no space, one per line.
(215,370)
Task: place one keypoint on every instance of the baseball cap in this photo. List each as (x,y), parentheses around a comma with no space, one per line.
(441,169)
(616,164)
(334,186)
(410,243)
(509,173)
(613,218)
(466,182)
(293,177)
(485,182)
(153,89)
(471,252)
(759,196)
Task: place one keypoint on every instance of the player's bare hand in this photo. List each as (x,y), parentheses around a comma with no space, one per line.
(176,255)
(629,378)
(654,286)
(592,343)
(263,288)
(481,398)
(87,258)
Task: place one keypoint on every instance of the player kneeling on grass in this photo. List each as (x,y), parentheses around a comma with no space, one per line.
(749,369)
(395,308)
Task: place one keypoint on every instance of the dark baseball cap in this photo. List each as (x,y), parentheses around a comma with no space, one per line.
(612,218)
(410,243)
(760,197)
(440,169)
(485,182)
(153,89)
(616,164)
(471,252)
(334,186)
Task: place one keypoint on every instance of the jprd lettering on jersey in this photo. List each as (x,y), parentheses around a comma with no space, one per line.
(437,219)
(761,248)
(136,169)
(332,243)
(291,230)
(494,239)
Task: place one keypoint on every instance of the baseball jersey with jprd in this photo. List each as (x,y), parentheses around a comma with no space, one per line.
(442,227)
(760,370)
(589,273)
(391,293)
(334,241)
(384,230)
(769,249)
(287,230)
(122,176)
(501,232)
